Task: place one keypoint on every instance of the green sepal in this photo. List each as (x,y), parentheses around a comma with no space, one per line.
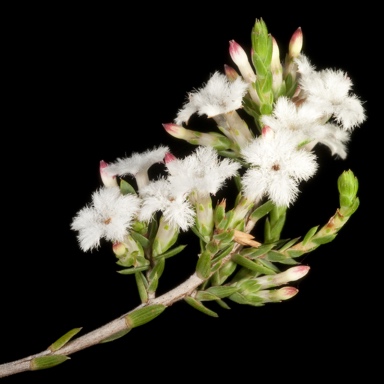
(130,271)
(267,267)
(155,275)
(225,236)
(309,235)
(152,229)
(248,299)
(140,239)
(223,304)
(253,253)
(144,315)
(249,264)
(290,85)
(199,306)
(212,247)
(203,266)
(64,339)
(296,252)
(222,291)
(205,296)
(324,239)
(44,362)
(115,336)
(198,234)
(170,253)
(252,109)
(225,252)
(348,211)
(288,244)
(142,286)
(219,213)
(223,273)
(126,188)
(277,257)
(261,211)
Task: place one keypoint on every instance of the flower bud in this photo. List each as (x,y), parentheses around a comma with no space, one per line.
(348,186)
(296,43)
(106,178)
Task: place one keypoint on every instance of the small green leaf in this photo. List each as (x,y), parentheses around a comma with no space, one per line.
(249,264)
(142,240)
(205,296)
(170,253)
(289,244)
(309,235)
(222,291)
(324,239)
(64,339)
(253,253)
(203,266)
(116,336)
(126,188)
(199,306)
(261,211)
(45,362)
(277,257)
(142,286)
(144,315)
(131,271)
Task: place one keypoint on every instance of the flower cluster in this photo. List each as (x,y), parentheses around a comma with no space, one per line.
(270,116)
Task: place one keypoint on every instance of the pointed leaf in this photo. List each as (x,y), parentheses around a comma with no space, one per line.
(199,306)
(203,266)
(222,291)
(171,252)
(45,362)
(144,315)
(261,211)
(142,240)
(116,336)
(324,239)
(64,339)
(126,188)
(309,235)
(131,271)
(142,286)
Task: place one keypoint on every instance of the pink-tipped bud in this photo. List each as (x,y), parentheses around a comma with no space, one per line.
(275,63)
(240,58)
(119,249)
(176,130)
(296,43)
(286,293)
(230,72)
(296,273)
(169,157)
(291,274)
(106,178)
(267,132)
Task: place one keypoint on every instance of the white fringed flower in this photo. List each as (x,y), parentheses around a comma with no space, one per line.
(137,165)
(307,121)
(330,90)
(202,171)
(277,167)
(109,216)
(159,196)
(218,96)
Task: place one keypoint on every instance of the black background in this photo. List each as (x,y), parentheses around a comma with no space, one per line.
(95,83)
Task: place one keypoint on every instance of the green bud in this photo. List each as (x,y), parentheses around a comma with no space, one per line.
(348,186)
